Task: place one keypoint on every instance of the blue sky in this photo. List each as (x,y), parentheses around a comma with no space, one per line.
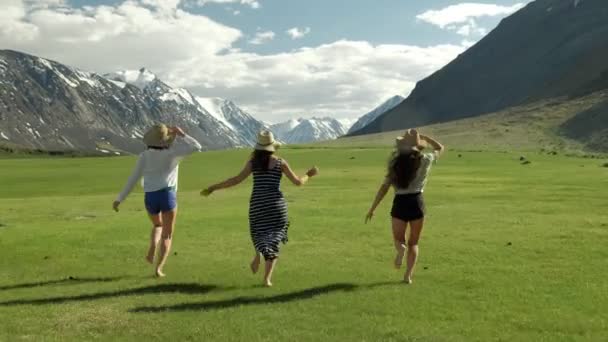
(346,57)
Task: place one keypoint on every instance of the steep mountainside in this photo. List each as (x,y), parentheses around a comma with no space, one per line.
(562,125)
(371,116)
(234,117)
(548,49)
(47,105)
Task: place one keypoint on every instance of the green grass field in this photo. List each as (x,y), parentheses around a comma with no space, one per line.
(510,252)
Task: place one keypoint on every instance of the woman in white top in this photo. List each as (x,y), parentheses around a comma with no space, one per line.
(159,166)
(408,170)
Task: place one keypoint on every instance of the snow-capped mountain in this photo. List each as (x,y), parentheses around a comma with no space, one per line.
(51,106)
(308,130)
(371,116)
(281,130)
(234,117)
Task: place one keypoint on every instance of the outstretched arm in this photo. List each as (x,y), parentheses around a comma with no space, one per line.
(295,179)
(135,176)
(379,197)
(230,182)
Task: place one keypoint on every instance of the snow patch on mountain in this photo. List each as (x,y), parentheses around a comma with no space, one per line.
(4,136)
(140,78)
(280,130)
(213,105)
(297,131)
(179,95)
(47,64)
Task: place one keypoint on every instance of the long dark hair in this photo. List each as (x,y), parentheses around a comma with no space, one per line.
(260,160)
(402,168)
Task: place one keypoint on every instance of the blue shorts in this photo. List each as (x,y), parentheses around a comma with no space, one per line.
(161,201)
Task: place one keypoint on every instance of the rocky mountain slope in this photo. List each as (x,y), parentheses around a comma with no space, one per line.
(549,49)
(48,105)
(372,115)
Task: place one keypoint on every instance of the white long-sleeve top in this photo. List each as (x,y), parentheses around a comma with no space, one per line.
(160,168)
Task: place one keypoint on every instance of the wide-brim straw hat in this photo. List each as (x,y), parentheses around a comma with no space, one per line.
(410,141)
(266,142)
(158,136)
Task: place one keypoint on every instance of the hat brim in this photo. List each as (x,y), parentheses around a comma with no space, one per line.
(270,148)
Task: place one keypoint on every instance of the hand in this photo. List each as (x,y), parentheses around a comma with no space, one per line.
(177,131)
(206,192)
(313,171)
(369,216)
(115,205)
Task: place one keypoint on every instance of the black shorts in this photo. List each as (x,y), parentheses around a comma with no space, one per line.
(408,207)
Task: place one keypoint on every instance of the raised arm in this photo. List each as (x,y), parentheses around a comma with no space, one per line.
(295,179)
(184,144)
(135,176)
(434,143)
(230,182)
(379,197)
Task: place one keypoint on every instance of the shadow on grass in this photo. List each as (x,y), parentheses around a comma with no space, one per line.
(242,301)
(156,289)
(66,281)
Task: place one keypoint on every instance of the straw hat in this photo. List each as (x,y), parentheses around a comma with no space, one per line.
(409,141)
(158,136)
(266,142)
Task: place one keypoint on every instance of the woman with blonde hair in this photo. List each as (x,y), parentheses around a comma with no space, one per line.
(408,170)
(268,220)
(159,167)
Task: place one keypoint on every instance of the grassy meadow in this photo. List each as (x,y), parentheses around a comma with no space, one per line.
(510,252)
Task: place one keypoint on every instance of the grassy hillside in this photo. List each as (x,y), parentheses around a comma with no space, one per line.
(524,128)
(73,270)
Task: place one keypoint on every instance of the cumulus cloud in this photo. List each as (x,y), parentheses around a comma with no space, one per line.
(251,3)
(262,37)
(342,78)
(461,18)
(297,33)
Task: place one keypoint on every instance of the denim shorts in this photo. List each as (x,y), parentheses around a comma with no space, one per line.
(161,201)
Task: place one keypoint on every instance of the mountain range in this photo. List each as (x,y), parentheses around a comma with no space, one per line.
(50,106)
(297,131)
(548,49)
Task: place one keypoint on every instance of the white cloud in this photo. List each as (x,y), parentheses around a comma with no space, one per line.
(297,33)
(464,12)
(251,3)
(341,79)
(462,18)
(262,37)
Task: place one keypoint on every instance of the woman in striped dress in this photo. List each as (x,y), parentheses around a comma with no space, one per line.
(267,209)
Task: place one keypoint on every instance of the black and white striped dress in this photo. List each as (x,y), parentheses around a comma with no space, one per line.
(268,220)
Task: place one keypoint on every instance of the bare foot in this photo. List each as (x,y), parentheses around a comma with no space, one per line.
(407,281)
(150,258)
(267,283)
(255,265)
(160,274)
(399,257)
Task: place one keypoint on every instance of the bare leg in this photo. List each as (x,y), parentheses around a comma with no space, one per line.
(157,227)
(399,227)
(166,236)
(268,271)
(255,263)
(412,251)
